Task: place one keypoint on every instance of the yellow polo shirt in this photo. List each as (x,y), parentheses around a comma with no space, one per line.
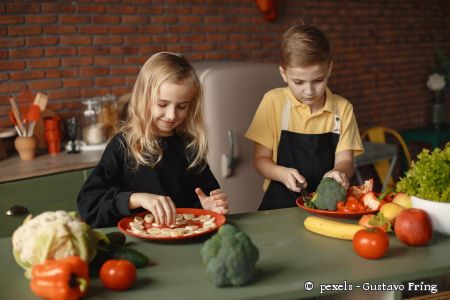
(265,128)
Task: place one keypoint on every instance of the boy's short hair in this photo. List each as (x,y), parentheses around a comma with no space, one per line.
(303,46)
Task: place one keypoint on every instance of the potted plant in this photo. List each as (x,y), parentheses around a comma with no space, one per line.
(428,183)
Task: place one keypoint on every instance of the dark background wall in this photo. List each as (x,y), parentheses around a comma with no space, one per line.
(383,50)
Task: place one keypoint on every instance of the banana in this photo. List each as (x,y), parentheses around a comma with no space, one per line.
(331,228)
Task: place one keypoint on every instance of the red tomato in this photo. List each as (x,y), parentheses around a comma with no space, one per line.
(118,274)
(371,243)
(354,205)
(413,227)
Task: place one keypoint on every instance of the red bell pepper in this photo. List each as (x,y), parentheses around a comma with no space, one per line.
(63,279)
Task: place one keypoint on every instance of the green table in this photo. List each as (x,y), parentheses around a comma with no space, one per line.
(290,256)
(436,138)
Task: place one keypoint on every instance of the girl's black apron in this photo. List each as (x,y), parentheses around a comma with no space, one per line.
(311,154)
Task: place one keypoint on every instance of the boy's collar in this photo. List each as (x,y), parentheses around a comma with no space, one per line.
(329,106)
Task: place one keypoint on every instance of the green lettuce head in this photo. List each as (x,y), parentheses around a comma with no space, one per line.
(54,235)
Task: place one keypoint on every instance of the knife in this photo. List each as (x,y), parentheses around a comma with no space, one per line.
(303,190)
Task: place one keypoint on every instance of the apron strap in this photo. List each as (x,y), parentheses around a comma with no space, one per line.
(286,115)
(337,123)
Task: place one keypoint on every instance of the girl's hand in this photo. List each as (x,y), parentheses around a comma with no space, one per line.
(292,179)
(339,177)
(161,207)
(216,201)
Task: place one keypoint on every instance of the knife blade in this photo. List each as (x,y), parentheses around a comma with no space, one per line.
(303,190)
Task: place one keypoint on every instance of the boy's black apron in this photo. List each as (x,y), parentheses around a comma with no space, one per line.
(311,154)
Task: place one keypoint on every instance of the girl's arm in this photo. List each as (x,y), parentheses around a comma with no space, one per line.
(101,201)
(263,162)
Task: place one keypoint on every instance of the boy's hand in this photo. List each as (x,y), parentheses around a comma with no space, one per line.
(162,207)
(292,179)
(339,177)
(216,201)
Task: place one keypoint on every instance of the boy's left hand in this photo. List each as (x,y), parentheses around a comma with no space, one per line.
(339,177)
(216,201)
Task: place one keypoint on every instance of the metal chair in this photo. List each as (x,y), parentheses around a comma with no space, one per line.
(378,134)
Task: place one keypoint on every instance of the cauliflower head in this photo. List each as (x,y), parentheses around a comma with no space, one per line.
(230,257)
(54,235)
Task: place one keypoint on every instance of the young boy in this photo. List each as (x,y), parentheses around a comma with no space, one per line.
(303,132)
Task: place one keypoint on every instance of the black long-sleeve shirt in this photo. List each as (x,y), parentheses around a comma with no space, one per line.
(103,199)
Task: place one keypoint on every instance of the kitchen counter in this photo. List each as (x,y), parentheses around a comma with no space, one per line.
(13,168)
(289,256)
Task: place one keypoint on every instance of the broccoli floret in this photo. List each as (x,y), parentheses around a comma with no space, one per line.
(329,192)
(229,257)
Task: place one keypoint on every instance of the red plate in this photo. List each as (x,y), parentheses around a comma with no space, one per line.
(220,220)
(334,213)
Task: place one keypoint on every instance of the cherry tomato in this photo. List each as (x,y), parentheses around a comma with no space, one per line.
(118,274)
(340,205)
(353,205)
(371,243)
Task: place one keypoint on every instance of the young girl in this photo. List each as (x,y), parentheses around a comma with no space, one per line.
(303,132)
(157,160)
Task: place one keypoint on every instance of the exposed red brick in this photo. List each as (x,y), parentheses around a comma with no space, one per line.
(109,81)
(74,19)
(24,30)
(71,83)
(94,71)
(41,40)
(11,87)
(25,52)
(152,49)
(44,85)
(8,65)
(61,29)
(106,19)
(93,50)
(11,42)
(123,29)
(108,40)
(122,9)
(135,19)
(27,75)
(108,60)
(44,63)
(11,19)
(153,29)
(60,51)
(93,9)
(166,38)
(124,70)
(163,19)
(76,40)
(76,61)
(41,19)
(57,7)
(62,73)
(136,40)
(190,19)
(136,60)
(92,29)
(124,50)
(22,8)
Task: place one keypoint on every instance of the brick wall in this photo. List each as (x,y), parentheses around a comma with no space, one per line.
(383,50)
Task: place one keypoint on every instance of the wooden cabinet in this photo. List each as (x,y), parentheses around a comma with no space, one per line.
(39,194)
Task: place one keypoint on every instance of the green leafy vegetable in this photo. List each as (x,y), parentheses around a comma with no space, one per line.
(429,176)
(329,192)
(230,257)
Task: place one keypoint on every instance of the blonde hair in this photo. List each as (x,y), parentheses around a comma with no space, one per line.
(142,142)
(304,46)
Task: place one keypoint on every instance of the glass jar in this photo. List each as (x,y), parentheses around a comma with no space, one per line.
(108,114)
(93,132)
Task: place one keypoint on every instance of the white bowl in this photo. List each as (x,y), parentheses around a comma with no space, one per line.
(439,213)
